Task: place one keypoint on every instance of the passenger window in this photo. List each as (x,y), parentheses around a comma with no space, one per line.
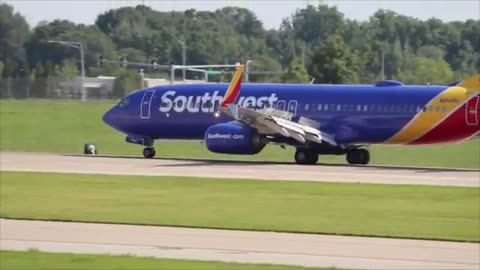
(430,108)
(339,108)
(365,108)
(319,107)
(326,107)
(307,106)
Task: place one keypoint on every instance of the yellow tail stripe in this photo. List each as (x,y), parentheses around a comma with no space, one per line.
(424,121)
(472,84)
(233,83)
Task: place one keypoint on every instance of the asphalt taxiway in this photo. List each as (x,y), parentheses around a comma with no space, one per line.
(35,162)
(238,246)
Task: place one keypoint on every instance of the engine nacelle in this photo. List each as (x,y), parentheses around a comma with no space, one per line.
(233,138)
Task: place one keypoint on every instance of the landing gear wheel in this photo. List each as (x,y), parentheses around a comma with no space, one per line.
(358,156)
(306,156)
(149,152)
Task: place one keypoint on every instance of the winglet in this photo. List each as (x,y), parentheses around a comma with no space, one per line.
(233,108)
(234,88)
(472,84)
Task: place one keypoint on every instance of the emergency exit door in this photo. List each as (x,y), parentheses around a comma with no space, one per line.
(472,113)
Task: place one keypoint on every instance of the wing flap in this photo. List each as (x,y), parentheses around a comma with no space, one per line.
(268,122)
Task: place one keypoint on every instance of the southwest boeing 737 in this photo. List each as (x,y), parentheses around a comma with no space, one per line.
(316,119)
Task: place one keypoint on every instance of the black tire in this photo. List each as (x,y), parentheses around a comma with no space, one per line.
(313,158)
(306,156)
(148,152)
(365,156)
(358,156)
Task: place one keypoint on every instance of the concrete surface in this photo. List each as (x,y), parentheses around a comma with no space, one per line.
(238,246)
(13,161)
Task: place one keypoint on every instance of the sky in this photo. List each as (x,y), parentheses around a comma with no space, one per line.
(270,12)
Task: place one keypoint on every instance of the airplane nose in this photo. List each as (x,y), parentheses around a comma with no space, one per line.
(109,118)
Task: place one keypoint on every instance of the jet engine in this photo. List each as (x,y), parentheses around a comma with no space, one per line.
(233,138)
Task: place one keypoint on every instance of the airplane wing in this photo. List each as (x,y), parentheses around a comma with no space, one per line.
(269,121)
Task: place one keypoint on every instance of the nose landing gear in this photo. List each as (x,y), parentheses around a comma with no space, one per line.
(149,152)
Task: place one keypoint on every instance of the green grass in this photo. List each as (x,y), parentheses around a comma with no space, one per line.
(43,260)
(426,212)
(63,127)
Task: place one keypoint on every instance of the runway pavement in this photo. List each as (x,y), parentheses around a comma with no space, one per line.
(238,246)
(14,161)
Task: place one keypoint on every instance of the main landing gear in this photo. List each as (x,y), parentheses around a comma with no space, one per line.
(306,156)
(358,156)
(149,152)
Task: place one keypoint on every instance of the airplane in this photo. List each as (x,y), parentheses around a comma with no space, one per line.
(316,119)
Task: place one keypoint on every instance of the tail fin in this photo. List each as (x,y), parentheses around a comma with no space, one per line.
(472,84)
(234,88)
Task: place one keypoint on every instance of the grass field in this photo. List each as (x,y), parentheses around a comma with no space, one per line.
(449,213)
(12,260)
(57,126)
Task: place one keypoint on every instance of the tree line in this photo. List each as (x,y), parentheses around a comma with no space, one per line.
(316,42)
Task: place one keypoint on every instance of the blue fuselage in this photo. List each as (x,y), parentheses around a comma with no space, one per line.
(352,114)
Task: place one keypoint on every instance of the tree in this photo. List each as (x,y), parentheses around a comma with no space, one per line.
(264,63)
(332,48)
(427,71)
(297,73)
(1,68)
(333,63)
(94,41)
(126,81)
(315,24)
(67,70)
(430,51)
(14,30)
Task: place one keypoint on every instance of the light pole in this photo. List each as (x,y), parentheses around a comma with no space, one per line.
(184,56)
(247,69)
(383,65)
(77,45)
(142,77)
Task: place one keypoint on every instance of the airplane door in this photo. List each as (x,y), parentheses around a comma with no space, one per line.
(472,113)
(146,104)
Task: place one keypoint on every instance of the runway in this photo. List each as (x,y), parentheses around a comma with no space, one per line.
(14,161)
(238,246)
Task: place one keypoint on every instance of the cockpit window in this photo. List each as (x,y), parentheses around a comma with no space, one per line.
(124,102)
